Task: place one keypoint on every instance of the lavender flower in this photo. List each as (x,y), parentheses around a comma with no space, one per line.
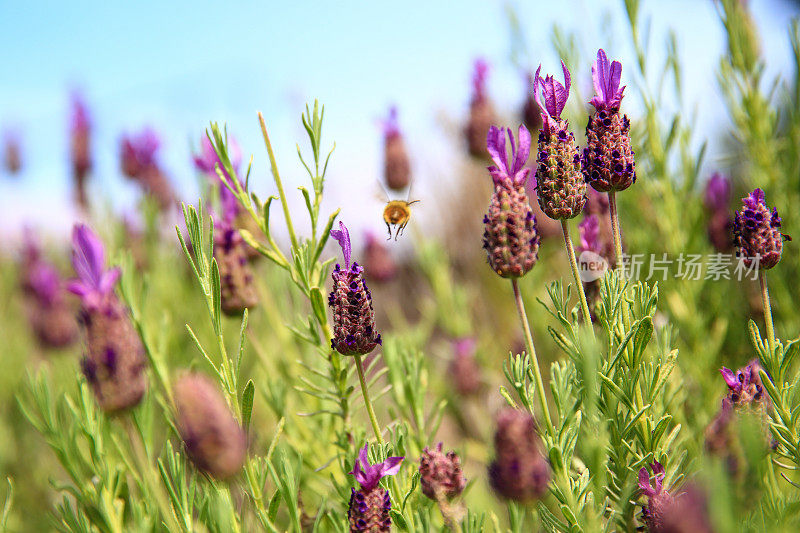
(519,471)
(214,441)
(717,194)
(379,265)
(608,163)
(114,363)
(659,501)
(440,474)
(397,169)
(370,505)
(12,153)
(745,387)
(351,303)
(51,317)
(510,238)
(464,368)
(80,148)
(757,232)
(139,160)
(237,288)
(685,512)
(560,186)
(481,113)
(717,197)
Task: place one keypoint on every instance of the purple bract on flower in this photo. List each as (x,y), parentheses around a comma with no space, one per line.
(606,78)
(369,507)
(505,169)
(94,282)
(207,160)
(745,386)
(555,95)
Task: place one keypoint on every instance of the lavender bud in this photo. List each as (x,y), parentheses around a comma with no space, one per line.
(440,474)
(464,368)
(369,506)
(560,186)
(138,157)
(510,238)
(214,441)
(397,168)
(80,148)
(378,262)
(12,153)
(745,388)
(481,113)
(115,361)
(50,315)
(607,161)
(757,232)
(519,471)
(237,288)
(350,301)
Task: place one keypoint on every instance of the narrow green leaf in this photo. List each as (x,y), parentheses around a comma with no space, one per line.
(247,403)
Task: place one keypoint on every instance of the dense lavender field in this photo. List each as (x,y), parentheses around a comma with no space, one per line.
(593,328)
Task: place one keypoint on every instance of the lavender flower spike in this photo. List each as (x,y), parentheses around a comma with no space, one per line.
(94,281)
(350,301)
(370,505)
(496,145)
(606,77)
(555,94)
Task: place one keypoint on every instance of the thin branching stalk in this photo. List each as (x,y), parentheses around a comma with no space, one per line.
(367,402)
(532,352)
(762,278)
(575,274)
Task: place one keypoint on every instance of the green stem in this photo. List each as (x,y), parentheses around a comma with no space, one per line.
(448,514)
(612,203)
(367,402)
(532,352)
(762,278)
(149,476)
(278,181)
(575,274)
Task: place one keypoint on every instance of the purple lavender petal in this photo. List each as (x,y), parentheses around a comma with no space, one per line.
(729,376)
(524,150)
(644,483)
(390,466)
(88,256)
(343,236)
(496,146)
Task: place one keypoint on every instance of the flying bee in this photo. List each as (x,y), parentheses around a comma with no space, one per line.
(397,213)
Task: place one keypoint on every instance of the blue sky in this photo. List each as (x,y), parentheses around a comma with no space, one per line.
(177,65)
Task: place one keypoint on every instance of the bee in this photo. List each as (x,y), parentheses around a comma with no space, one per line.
(397,213)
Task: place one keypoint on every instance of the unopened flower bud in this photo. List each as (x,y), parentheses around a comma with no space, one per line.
(214,441)
(757,232)
(440,474)
(481,113)
(519,471)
